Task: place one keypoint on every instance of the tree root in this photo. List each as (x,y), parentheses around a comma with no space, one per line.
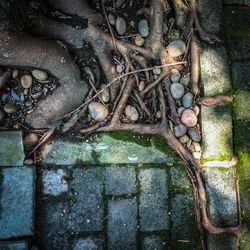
(104,45)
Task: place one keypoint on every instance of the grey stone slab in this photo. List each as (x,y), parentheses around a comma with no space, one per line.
(237,2)
(17,202)
(11,148)
(153,200)
(87,206)
(14,245)
(154,243)
(242,105)
(210,13)
(89,243)
(216,127)
(122,224)
(184,225)
(103,150)
(222,242)
(241,75)
(52,181)
(215,74)
(179,178)
(240,49)
(220,186)
(53,226)
(120,180)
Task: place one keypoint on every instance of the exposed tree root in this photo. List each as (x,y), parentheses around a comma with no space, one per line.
(31,52)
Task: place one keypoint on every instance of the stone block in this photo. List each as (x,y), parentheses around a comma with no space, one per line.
(11,148)
(14,245)
(240,48)
(216,124)
(52,181)
(179,178)
(17,202)
(53,226)
(89,243)
(215,74)
(154,242)
(103,150)
(220,186)
(122,224)
(120,180)
(185,233)
(222,242)
(241,76)
(153,200)
(237,2)
(87,204)
(210,13)
(241,105)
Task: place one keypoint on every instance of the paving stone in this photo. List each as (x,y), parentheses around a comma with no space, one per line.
(11,148)
(120,180)
(222,242)
(216,126)
(53,226)
(122,224)
(240,48)
(17,202)
(179,178)
(241,105)
(52,182)
(184,225)
(153,200)
(237,2)
(89,243)
(220,186)
(210,12)
(104,149)
(14,245)
(241,76)
(215,74)
(87,207)
(154,243)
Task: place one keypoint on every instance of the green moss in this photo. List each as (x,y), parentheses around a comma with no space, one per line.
(131,137)
(160,143)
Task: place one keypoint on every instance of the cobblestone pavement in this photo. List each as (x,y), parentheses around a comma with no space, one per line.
(110,193)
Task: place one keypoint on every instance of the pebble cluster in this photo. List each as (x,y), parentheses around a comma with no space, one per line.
(20,92)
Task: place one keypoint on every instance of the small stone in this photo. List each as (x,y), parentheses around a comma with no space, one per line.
(119,3)
(196,110)
(98,111)
(119,69)
(111,19)
(158,114)
(131,113)
(105,93)
(180,110)
(197,146)
(175,75)
(28,162)
(120,26)
(139,40)
(143,27)
(165,28)
(176,48)
(26,92)
(185,80)
(155,76)
(196,155)
(141,86)
(40,75)
(184,139)
(194,134)
(10,108)
(187,100)
(26,81)
(2,115)
(30,140)
(177,90)
(189,118)
(157,71)
(180,130)
(15,73)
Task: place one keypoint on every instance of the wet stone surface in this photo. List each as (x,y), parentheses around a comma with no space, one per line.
(14,245)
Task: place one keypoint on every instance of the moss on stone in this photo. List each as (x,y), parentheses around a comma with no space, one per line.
(241,104)
(141,140)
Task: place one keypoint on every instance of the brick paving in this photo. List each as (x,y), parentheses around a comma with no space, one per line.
(111,194)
